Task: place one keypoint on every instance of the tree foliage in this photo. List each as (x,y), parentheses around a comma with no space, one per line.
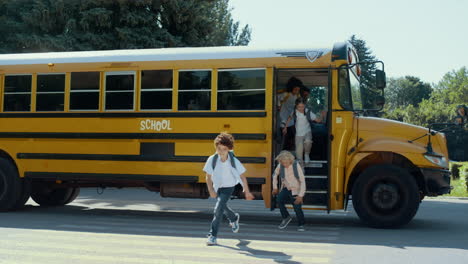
(68,25)
(440,107)
(404,91)
(364,54)
(367,88)
(411,100)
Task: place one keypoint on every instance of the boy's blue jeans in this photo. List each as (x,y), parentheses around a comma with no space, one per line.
(221,208)
(285,196)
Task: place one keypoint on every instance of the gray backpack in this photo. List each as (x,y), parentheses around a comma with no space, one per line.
(231,156)
(296,172)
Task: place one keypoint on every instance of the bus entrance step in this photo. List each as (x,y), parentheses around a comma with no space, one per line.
(319,182)
(316,163)
(316,167)
(311,207)
(316,198)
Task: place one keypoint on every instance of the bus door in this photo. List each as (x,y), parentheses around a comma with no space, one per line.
(314,90)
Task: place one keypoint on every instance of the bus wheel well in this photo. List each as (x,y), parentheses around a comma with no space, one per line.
(386,158)
(5,155)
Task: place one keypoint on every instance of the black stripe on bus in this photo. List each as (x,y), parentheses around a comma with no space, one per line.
(77,135)
(122,177)
(133,115)
(109,177)
(112,157)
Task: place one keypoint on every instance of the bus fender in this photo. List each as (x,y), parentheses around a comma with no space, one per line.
(409,151)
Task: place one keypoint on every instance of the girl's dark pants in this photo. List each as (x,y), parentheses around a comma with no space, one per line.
(286,197)
(221,208)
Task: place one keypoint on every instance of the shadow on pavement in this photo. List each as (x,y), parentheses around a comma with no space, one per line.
(243,248)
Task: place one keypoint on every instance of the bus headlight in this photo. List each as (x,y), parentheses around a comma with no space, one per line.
(437,160)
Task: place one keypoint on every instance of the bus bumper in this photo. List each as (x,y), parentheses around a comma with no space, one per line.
(437,181)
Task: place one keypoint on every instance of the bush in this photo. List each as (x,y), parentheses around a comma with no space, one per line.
(459,184)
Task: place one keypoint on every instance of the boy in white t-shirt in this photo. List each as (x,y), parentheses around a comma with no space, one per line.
(223,172)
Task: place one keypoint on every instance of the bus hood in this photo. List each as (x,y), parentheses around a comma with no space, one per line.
(371,128)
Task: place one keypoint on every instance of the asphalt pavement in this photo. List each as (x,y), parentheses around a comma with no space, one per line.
(138,226)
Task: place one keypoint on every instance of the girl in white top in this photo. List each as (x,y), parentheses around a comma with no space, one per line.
(303,118)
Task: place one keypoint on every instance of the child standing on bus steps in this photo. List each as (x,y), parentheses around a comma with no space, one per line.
(291,190)
(303,119)
(223,172)
(285,107)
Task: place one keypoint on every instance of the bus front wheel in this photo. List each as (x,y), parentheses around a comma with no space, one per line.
(45,195)
(10,185)
(385,196)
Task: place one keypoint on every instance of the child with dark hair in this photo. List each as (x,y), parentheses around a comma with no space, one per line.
(286,107)
(223,172)
(305,93)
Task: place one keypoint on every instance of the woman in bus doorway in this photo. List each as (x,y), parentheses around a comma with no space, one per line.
(286,106)
(223,172)
(303,119)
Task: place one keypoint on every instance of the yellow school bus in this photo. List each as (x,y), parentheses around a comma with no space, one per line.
(147,118)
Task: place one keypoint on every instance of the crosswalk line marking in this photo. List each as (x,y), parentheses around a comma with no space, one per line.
(138,239)
(160,248)
(209,256)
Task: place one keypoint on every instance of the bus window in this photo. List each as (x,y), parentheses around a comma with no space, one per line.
(156,90)
(84,91)
(120,87)
(17,95)
(50,92)
(195,90)
(344,93)
(241,89)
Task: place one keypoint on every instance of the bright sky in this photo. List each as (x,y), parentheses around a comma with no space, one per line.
(423,38)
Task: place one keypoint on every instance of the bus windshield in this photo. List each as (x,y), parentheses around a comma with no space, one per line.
(357,88)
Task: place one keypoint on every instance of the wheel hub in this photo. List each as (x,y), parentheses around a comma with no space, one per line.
(385,196)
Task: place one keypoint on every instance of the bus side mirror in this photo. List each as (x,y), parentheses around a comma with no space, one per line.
(380,79)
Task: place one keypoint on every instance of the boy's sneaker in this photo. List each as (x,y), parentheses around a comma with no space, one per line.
(306,158)
(301,228)
(235,224)
(211,241)
(285,222)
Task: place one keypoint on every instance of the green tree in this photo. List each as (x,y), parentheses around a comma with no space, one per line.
(404,91)
(367,78)
(452,90)
(66,25)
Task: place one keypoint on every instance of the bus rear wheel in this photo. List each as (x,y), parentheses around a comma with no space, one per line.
(385,196)
(10,185)
(45,195)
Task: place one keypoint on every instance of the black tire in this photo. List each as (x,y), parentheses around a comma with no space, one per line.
(73,195)
(45,195)
(385,196)
(25,194)
(10,185)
